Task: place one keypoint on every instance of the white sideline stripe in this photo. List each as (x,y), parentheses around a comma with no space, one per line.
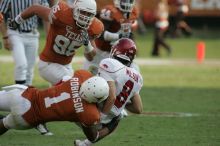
(8,58)
(142,61)
(176,114)
(169,114)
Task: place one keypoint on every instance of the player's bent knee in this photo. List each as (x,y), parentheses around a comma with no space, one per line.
(3,129)
(15,122)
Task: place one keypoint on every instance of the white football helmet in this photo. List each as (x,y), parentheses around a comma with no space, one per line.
(83,12)
(94,90)
(124,5)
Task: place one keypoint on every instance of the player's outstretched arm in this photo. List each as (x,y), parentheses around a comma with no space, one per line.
(90,51)
(111,99)
(103,132)
(136,105)
(39,10)
(91,132)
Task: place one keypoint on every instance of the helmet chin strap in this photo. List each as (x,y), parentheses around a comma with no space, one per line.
(123,61)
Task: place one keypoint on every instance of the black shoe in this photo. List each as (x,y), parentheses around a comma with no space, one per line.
(43,130)
(2,116)
(155,55)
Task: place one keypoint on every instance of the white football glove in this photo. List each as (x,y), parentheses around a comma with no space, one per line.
(104,119)
(85,142)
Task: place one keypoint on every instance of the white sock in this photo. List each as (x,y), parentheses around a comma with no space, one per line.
(4,101)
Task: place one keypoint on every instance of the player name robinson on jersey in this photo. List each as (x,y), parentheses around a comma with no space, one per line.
(74,83)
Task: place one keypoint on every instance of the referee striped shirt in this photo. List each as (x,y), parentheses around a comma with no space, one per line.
(11,8)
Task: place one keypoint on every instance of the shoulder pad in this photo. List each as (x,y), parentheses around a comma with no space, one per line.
(96,28)
(58,11)
(135,13)
(110,12)
(111,65)
(82,74)
(105,13)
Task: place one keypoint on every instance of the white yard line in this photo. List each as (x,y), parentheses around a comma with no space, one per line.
(175,114)
(170,114)
(143,61)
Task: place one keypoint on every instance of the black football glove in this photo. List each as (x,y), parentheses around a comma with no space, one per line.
(113,123)
(85,37)
(12,24)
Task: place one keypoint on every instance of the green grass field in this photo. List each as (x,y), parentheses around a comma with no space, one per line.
(181,101)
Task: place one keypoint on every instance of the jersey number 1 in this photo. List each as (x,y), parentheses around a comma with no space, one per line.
(49,101)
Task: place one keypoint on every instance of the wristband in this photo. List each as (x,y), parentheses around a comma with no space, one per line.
(19,19)
(108,36)
(103,115)
(88,48)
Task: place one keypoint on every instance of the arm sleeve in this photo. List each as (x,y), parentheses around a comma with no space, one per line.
(96,29)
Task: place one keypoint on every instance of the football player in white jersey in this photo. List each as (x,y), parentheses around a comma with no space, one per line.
(127,83)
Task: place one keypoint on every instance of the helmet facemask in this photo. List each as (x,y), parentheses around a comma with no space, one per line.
(84,13)
(83,18)
(121,58)
(125,5)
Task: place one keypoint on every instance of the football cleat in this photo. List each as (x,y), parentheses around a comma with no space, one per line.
(2,116)
(85,142)
(43,130)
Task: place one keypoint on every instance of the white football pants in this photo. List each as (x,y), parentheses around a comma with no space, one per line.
(13,102)
(54,72)
(24,52)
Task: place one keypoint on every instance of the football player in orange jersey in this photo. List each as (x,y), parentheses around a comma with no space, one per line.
(71,26)
(72,100)
(118,20)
